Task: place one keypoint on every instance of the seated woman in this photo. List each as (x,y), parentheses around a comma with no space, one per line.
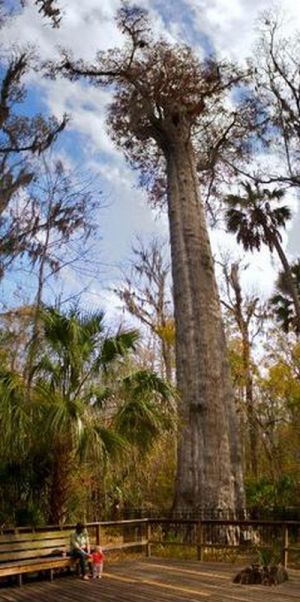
(80,548)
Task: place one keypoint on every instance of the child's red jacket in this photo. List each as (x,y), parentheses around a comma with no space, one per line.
(97,557)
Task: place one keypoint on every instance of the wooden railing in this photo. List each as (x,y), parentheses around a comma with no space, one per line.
(245,537)
(248,537)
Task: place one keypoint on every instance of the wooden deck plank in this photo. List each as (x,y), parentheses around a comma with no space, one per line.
(156,580)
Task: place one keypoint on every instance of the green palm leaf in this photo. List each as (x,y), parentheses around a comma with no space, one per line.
(15,414)
(254,218)
(118,346)
(98,442)
(144,413)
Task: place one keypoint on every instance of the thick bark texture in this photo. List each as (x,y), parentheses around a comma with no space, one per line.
(209,473)
(60,485)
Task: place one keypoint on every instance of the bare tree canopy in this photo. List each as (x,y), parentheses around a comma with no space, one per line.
(146,295)
(159,86)
(23,136)
(270,108)
(49,9)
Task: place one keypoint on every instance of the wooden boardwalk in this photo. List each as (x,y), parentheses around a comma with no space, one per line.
(155,580)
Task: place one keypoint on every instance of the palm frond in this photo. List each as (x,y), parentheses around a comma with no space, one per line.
(253,217)
(280,216)
(46,366)
(282,302)
(117,347)
(100,443)
(283,284)
(140,421)
(142,416)
(15,413)
(97,395)
(144,382)
(61,416)
(92,324)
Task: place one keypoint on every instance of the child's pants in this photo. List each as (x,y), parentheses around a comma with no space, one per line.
(97,570)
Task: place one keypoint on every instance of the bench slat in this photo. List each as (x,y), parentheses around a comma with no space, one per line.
(34,553)
(34,566)
(33,545)
(33,536)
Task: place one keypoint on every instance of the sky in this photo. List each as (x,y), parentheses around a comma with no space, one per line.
(225,26)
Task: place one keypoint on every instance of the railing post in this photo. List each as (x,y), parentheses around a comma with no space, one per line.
(285,545)
(148,546)
(199,540)
(98,534)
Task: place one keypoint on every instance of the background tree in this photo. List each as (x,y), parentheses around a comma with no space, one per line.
(279,406)
(147,296)
(16,329)
(52,231)
(246,316)
(23,137)
(47,8)
(145,417)
(50,9)
(58,207)
(269,110)
(162,96)
(276,100)
(255,221)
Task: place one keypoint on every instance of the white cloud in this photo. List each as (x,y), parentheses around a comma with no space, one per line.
(86,107)
(232,25)
(85,27)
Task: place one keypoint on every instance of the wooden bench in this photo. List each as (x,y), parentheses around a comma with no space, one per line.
(29,552)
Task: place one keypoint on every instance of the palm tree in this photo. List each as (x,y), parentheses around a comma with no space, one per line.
(87,412)
(255,221)
(66,389)
(87,404)
(282,301)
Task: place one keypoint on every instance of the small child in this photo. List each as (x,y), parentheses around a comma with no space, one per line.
(97,557)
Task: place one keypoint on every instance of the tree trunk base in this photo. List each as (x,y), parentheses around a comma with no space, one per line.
(264,575)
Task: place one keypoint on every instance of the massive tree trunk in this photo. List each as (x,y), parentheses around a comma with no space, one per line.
(209,473)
